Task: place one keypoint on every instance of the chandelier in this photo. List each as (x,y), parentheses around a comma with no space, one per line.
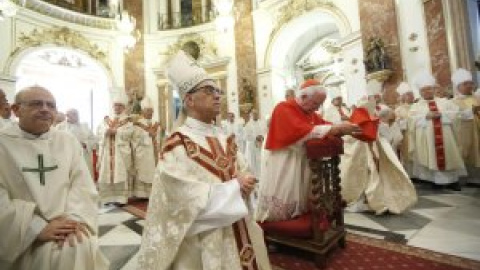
(128,36)
(224,20)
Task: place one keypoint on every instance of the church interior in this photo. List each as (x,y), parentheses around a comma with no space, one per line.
(87,52)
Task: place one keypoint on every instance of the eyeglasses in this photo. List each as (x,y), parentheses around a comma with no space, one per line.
(209,90)
(38,104)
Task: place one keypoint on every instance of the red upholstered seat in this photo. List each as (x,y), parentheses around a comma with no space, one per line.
(300,227)
(369,125)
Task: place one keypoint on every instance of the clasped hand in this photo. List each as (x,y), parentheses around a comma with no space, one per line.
(61,230)
(247,184)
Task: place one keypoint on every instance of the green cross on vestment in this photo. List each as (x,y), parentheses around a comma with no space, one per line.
(41,169)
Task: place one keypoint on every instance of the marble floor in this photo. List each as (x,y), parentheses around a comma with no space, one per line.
(444,221)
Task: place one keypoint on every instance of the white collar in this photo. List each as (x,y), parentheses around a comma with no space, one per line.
(200,128)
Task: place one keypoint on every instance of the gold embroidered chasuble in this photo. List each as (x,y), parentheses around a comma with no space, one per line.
(467,130)
(115,160)
(190,166)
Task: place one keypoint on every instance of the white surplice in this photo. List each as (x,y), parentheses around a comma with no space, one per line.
(392,133)
(191,209)
(332,114)
(285,180)
(422,143)
(145,151)
(402,120)
(30,199)
(253,148)
(86,139)
(236,128)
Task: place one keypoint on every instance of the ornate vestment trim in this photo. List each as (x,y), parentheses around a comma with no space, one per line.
(221,163)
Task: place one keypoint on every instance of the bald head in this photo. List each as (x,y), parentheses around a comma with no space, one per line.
(35,108)
(72,116)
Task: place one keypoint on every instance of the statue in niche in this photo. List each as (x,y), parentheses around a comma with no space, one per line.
(376,58)
(192,49)
(134,101)
(248,91)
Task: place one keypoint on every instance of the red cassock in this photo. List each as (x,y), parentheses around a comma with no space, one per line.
(289,123)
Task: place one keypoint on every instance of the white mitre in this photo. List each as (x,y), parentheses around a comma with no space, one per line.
(460,76)
(119,97)
(403,88)
(424,79)
(184,73)
(374,88)
(146,103)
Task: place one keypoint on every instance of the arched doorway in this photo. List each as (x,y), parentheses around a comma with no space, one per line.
(75,79)
(295,43)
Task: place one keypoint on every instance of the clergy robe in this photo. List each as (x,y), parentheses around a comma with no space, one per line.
(86,139)
(402,120)
(334,114)
(236,128)
(30,199)
(286,175)
(392,133)
(145,150)
(253,147)
(197,218)
(372,172)
(115,156)
(5,122)
(467,129)
(438,161)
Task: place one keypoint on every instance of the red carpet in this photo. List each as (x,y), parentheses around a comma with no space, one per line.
(361,253)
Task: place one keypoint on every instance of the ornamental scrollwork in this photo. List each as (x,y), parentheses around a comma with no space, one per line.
(295,8)
(63,37)
(195,45)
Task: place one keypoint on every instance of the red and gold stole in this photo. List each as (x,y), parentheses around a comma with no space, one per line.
(221,163)
(153,128)
(438,135)
(115,123)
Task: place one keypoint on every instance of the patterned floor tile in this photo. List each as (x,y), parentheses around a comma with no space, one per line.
(405,221)
(119,255)
(120,235)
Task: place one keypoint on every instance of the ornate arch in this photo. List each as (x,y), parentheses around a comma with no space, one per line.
(58,36)
(295,9)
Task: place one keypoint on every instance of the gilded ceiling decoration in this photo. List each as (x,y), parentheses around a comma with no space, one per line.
(295,8)
(63,37)
(195,45)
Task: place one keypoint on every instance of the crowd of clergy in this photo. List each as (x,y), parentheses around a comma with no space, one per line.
(206,175)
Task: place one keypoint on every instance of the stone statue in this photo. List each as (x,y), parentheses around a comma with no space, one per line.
(376,58)
(248,91)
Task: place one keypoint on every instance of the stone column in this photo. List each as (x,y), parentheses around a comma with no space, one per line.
(245,56)
(134,64)
(458,34)
(378,19)
(437,41)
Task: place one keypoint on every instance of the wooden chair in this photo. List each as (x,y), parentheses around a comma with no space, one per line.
(322,229)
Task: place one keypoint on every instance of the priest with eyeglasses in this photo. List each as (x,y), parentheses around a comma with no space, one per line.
(199,214)
(48,213)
